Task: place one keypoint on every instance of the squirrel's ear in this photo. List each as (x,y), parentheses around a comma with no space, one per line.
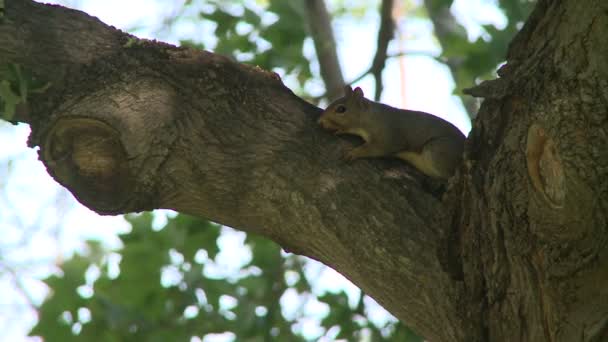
(360,98)
(347,90)
(359,92)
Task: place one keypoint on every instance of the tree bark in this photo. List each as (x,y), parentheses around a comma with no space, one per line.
(516,249)
(534,218)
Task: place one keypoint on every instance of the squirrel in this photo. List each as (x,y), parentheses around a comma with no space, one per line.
(431,144)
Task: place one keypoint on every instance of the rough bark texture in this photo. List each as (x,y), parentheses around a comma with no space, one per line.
(515,251)
(534,218)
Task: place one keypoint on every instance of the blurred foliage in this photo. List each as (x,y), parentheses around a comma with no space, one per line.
(164,292)
(162,288)
(269,34)
(477,60)
(15,85)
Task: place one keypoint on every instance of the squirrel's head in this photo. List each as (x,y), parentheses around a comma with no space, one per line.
(344,114)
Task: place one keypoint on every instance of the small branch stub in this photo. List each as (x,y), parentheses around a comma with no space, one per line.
(87,156)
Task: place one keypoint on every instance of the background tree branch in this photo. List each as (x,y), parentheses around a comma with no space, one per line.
(446,28)
(319,24)
(385,35)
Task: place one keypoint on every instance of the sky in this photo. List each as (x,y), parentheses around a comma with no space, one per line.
(32,244)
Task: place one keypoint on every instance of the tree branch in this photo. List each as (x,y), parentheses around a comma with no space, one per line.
(322,34)
(400,54)
(131,125)
(385,34)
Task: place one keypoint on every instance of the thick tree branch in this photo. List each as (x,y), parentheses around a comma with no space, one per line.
(131,125)
(516,248)
(319,24)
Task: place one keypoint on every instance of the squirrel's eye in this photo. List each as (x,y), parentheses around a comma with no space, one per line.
(340,109)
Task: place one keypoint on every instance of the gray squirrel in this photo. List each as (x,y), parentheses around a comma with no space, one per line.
(431,144)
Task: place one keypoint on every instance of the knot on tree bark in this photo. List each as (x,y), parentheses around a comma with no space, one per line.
(87,156)
(108,144)
(545,167)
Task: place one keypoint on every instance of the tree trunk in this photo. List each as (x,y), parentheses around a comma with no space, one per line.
(516,250)
(534,217)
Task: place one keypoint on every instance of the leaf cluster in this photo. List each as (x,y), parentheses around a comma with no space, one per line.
(269,34)
(15,85)
(163,291)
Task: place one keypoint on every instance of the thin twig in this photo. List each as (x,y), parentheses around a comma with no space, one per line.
(385,34)
(368,71)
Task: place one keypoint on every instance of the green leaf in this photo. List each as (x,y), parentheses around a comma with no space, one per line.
(63,298)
